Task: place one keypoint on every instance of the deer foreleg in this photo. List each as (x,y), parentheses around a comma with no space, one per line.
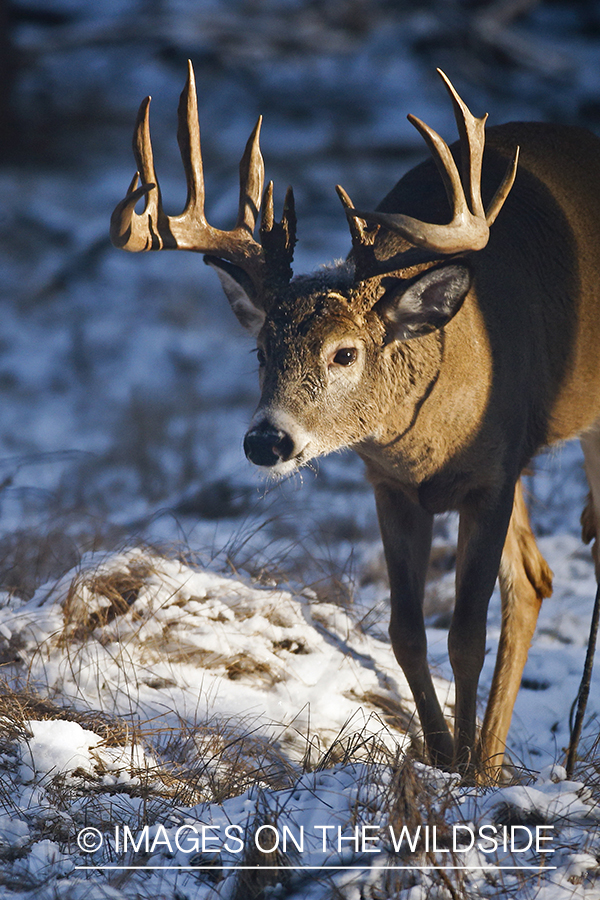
(482,531)
(406,531)
(525,579)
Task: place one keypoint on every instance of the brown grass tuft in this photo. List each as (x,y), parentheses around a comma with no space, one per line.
(270,865)
(19,706)
(109,595)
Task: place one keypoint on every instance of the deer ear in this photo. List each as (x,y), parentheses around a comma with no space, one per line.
(238,290)
(427,304)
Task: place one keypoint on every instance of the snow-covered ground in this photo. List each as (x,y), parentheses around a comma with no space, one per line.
(183,644)
(246,725)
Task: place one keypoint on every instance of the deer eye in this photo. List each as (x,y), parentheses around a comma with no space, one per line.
(261,357)
(345,356)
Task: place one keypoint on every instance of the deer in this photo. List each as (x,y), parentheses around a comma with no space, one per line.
(458,338)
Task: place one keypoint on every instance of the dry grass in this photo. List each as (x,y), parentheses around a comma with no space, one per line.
(413,801)
(191,763)
(117,591)
(187,765)
(270,865)
(44,552)
(220,759)
(587,771)
(19,706)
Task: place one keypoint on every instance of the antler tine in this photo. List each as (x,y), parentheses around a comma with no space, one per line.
(278,239)
(252,176)
(469,228)
(188,138)
(357,226)
(503,191)
(445,163)
(128,230)
(191,230)
(289,214)
(472,141)
(362,236)
(268,210)
(251,165)
(142,151)
(471,131)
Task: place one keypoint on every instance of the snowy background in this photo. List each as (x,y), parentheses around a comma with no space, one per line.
(126,386)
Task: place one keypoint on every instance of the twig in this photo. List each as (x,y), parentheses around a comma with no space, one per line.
(584,688)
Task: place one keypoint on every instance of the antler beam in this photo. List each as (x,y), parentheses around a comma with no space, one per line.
(152,229)
(469,228)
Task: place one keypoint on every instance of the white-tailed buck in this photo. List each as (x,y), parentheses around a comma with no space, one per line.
(445,355)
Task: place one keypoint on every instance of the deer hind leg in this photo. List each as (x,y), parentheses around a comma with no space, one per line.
(525,579)
(590,517)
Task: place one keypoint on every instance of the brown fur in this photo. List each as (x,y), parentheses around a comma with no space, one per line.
(450,419)
(445,374)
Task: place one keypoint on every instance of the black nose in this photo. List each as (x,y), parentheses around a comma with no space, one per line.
(265,445)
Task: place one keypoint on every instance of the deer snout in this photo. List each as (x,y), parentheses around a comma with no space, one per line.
(266,445)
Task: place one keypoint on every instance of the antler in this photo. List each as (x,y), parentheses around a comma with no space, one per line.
(470,225)
(154,230)
(278,239)
(363,238)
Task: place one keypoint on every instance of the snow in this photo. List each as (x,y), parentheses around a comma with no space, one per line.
(279,704)
(220,645)
(56,749)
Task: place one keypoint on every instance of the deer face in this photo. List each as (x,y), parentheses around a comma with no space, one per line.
(334,354)
(319,363)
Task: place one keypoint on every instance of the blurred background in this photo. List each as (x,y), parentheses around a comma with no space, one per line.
(126,384)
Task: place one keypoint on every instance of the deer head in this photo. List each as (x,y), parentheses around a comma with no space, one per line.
(333,346)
